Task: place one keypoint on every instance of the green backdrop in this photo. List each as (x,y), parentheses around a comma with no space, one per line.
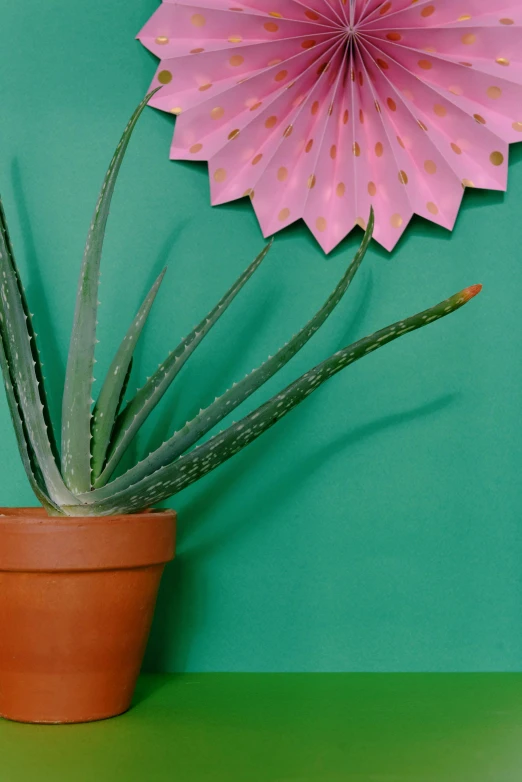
(378,526)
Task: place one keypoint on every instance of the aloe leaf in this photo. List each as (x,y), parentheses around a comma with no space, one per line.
(113,389)
(28,460)
(76,408)
(5,238)
(22,364)
(174,477)
(223,405)
(139,408)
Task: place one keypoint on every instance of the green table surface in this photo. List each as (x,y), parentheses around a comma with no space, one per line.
(287,727)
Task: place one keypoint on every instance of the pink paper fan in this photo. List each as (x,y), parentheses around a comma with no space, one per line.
(318,109)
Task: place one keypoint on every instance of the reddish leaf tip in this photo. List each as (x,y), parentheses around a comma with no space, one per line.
(473,290)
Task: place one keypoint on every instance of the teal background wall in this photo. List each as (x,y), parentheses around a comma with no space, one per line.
(378,526)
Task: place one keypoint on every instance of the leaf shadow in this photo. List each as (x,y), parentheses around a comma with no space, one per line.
(184,593)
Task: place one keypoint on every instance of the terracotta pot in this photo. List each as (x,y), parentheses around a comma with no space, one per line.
(77,597)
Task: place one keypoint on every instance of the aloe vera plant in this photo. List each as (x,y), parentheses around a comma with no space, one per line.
(80,481)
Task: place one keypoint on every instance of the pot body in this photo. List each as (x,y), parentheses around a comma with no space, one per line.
(77,597)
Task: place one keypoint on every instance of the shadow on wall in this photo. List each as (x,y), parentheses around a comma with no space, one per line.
(180,612)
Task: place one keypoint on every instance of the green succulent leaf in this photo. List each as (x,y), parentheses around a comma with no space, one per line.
(171,479)
(225,404)
(31,467)
(22,374)
(77,401)
(139,408)
(115,384)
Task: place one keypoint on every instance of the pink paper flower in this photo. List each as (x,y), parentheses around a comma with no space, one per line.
(318,109)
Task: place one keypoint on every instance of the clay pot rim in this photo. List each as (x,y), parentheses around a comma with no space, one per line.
(33,541)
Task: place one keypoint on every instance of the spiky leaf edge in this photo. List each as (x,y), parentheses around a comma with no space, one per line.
(113,389)
(141,405)
(77,401)
(171,479)
(225,404)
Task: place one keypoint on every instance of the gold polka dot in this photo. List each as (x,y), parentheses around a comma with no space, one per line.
(468,39)
(276,14)
(517,126)
(440,110)
(233,134)
(236,60)
(333,151)
(464,18)
(196,51)
(432,208)
(280,75)
(271,27)
(385,8)
(312,15)
(506,21)
(321,224)
(356,149)
(204,87)
(164,77)
(403,177)
(428,11)
(494,93)
(455,147)
(198,20)
(315,107)
(497,158)
(234,39)
(502,61)
(255,106)
(396,220)
(283,215)
(282,173)
(372,188)
(391,104)
(467,183)
(311,181)
(455,89)
(345,116)
(162,40)
(308,44)
(220,175)
(340,189)
(382,63)
(288,131)
(361,116)
(274,62)
(176,110)
(217,112)
(309,145)
(400,142)
(195,148)
(430,167)
(394,36)
(379,149)
(270,122)
(257,158)
(478,118)
(426,65)
(421,125)
(377,107)
(466,64)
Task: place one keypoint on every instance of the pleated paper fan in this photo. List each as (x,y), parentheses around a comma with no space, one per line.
(318,110)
